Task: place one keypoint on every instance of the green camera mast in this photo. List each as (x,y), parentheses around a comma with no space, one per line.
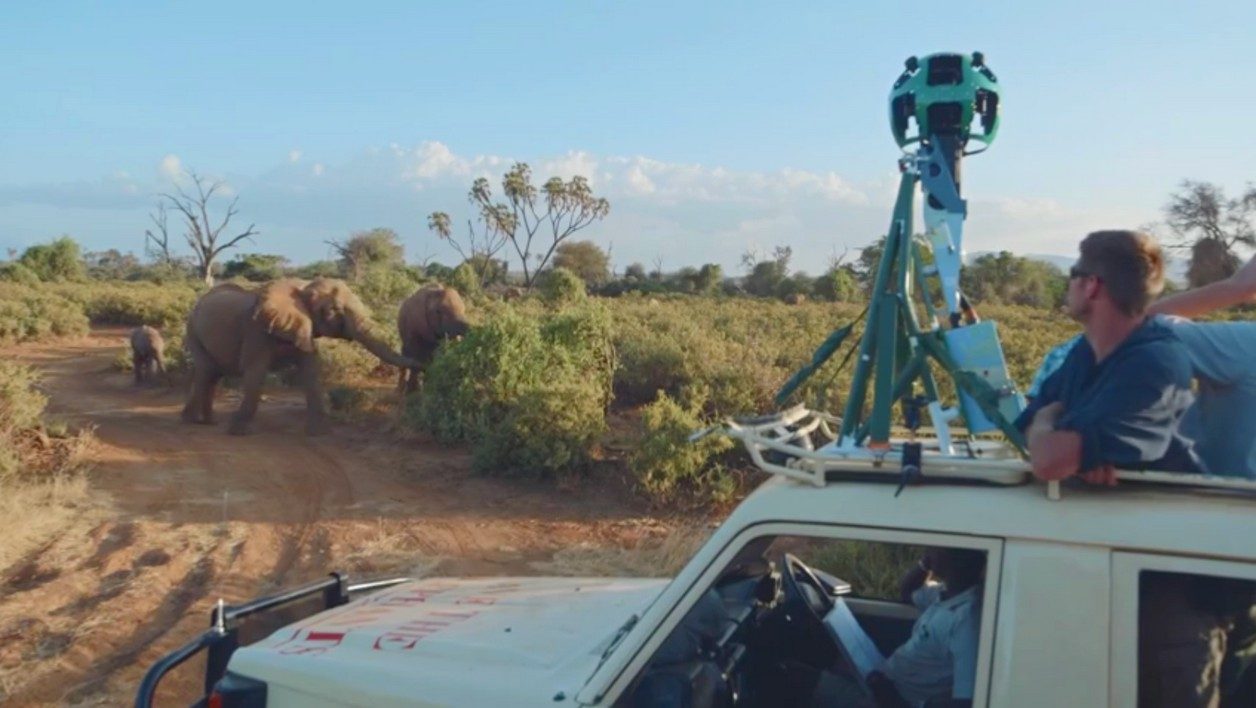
(938,105)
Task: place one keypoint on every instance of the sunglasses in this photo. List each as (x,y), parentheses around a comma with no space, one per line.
(1075,272)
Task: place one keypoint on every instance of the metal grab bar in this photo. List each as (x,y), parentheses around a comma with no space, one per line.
(222,639)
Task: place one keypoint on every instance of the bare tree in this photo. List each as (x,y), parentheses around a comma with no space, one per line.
(157,245)
(204,238)
(834,260)
(1210,225)
(557,209)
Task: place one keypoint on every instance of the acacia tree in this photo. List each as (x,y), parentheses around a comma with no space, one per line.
(534,221)
(481,244)
(202,235)
(1204,220)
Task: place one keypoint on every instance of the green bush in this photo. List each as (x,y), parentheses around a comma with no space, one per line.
(465,280)
(30,447)
(19,274)
(57,260)
(165,307)
(559,286)
(31,314)
(547,429)
(528,393)
(21,404)
(383,287)
(665,463)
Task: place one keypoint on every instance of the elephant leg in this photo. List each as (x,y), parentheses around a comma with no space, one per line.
(251,383)
(207,399)
(137,366)
(316,411)
(200,403)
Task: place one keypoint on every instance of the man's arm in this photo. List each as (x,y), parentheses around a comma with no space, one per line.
(1235,290)
(1053,454)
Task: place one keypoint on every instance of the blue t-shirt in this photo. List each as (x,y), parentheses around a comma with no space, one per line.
(1223,420)
(1128,408)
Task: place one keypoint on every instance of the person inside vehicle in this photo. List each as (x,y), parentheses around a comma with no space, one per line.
(937,665)
(1118,398)
(1221,356)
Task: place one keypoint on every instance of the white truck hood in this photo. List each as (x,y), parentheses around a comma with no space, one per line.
(464,642)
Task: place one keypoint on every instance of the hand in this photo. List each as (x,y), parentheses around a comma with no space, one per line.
(1103,475)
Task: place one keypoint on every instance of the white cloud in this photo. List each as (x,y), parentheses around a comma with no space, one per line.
(638,182)
(171,167)
(434,159)
(685,213)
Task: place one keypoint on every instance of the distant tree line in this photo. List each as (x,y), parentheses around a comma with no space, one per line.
(537,224)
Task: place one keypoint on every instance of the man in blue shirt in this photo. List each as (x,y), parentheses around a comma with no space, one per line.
(1221,422)
(1117,400)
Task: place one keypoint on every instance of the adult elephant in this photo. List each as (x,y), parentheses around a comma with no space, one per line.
(432,313)
(234,331)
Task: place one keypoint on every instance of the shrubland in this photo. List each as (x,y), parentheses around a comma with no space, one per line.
(530,388)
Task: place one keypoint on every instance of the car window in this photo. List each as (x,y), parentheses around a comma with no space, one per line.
(801,620)
(1184,632)
(1196,640)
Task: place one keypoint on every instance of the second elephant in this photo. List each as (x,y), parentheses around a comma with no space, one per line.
(431,314)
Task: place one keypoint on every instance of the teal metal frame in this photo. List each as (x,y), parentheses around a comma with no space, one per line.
(895,351)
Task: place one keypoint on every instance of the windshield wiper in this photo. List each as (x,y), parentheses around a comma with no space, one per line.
(620,633)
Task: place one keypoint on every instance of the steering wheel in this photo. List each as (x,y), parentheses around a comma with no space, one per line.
(801,583)
(803,587)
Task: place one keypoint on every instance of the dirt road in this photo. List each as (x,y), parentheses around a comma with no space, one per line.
(177,516)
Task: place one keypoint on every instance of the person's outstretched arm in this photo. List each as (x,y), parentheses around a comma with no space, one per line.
(1238,289)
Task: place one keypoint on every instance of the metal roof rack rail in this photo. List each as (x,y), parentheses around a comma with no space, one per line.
(785,444)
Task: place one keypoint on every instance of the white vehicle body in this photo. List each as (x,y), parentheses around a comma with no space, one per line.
(1058,627)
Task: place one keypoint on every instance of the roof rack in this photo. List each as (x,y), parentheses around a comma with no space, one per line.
(785,444)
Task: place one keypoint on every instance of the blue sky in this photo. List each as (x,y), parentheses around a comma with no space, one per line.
(712,127)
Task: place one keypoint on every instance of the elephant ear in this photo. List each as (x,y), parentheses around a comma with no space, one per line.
(282,309)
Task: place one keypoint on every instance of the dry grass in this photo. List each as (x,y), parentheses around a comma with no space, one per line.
(650,558)
(31,513)
(387,548)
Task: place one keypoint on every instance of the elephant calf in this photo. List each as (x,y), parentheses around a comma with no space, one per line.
(148,352)
(234,331)
(431,314)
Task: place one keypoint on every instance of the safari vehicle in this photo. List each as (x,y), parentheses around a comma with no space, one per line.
(755,617)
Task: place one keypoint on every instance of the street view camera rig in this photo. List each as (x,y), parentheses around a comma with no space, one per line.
(918,319)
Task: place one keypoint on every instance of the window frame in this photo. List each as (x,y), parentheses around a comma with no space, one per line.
(1127,568)
(991,545)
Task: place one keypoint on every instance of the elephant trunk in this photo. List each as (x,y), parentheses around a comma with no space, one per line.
(456,328)
(362,334)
